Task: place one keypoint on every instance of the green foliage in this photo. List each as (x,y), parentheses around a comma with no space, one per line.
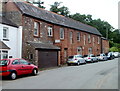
(114,49)
(39,3)
(114,46)
(59,10)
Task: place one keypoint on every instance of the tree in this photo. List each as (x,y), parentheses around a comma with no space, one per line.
(59,10)
(38,2)
(114,49)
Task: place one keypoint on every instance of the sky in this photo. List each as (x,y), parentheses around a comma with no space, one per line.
(106,10)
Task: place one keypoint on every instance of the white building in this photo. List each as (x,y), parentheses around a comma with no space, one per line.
(10,39)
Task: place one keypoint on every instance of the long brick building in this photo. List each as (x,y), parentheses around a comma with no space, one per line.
(48,38)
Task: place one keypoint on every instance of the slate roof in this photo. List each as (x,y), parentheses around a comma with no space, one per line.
(54,18)
(5,21)
(39,45)
(3,45)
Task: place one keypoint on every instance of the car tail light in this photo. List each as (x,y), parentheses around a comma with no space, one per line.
(88,58)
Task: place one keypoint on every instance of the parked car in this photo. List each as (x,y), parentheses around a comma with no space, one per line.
(102,57)
(76,59)
(15,66)
(91,58)
(116,54)
(110,55)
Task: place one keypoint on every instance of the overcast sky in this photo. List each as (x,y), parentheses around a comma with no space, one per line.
(106,10)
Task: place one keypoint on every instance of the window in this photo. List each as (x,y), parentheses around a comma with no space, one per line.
(93,40)
(78,36)
(5,33)
(89,50)
(50,31)
(84,39)
(89,38)
(36,29)
(15,62)
(98,40)
(3,54)
(61,33)
(71,38)
(23,62)
(31,56)
(79,50)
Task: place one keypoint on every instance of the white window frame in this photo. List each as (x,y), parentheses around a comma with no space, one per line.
(61,33)
(79,52)
(71,37)
(98,40)
(90,50)
(84,39)
(2,53)
(89,38)
(36,28)
(7,32)
(93,40)
(78,36)
(50,31)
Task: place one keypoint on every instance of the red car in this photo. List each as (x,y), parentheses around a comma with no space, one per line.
(14,67)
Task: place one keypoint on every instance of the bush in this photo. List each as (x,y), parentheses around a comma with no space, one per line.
(114,49)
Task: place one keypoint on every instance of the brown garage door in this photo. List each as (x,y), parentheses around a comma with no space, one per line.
(47,58)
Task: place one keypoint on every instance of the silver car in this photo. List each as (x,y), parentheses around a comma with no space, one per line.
(76,59)
(102,57)
(91,58)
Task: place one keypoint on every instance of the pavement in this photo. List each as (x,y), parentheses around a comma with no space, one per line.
(99,75)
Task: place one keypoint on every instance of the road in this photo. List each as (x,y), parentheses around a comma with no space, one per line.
(99,75)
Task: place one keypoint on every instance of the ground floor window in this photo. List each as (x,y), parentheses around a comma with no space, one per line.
(79,50)
(89,50)
(3,54)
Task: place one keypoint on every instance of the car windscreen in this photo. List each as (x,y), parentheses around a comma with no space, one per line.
(79,56)
(3,62)
(71,57)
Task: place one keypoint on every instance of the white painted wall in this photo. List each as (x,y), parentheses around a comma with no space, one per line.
(15,40)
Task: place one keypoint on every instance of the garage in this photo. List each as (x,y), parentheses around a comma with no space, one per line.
(47,54)
(47,58)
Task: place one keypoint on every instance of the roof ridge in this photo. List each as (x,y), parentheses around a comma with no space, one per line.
(55,13)
(40,8)
(61,17)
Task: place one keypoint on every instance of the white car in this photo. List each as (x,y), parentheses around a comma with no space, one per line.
(116,54)
(102,57)
(91,58)
(76,59)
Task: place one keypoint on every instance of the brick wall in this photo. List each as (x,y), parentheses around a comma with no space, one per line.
(105,46)
(67,48)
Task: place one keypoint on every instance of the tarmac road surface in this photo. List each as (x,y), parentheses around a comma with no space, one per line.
(99,75)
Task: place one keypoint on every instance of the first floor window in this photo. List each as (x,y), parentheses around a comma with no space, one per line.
(84,39)
(78,36)
(98,40)
(71,37)
(89,38)
(61,33)
(5,33)
(3,54)
(50,31)
(36,29)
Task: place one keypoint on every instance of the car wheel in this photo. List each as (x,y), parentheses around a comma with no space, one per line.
(78,63)
(35,71)
(69,64)
(13,75)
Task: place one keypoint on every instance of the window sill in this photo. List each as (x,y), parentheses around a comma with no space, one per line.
(6,39)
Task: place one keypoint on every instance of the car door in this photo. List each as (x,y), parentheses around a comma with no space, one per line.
(26,67)
(17,66)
